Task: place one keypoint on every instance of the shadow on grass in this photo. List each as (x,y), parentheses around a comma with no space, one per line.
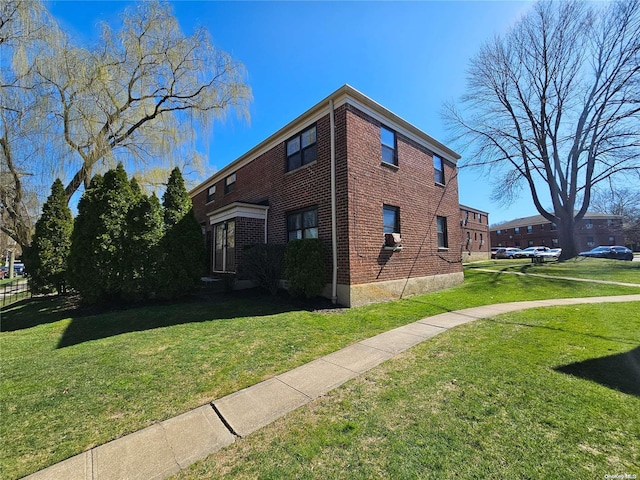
(619,372)
(93,323)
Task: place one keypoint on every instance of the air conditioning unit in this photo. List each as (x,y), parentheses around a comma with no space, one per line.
(392,240)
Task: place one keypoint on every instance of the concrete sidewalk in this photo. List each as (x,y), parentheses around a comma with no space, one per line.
(163,449)
(554,277)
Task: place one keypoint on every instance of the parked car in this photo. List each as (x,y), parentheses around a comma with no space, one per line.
(493,252)
(18,268)
(615,252)
(552,253)
(507,252)
(530,252)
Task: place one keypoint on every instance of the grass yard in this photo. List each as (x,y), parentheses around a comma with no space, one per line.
(73,379)
(547,393)
(579,267)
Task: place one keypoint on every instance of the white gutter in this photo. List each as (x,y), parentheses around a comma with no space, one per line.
(334,230)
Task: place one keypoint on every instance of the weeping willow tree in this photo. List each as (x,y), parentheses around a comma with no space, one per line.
(139,96)
(553,107)
(26,31)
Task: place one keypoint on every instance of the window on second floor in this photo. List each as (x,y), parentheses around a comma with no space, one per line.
(211,193)
(516,230)
(529,229)
(389,146)
(438,170)
(441,226)
(498,232)
(390,219)
(588,223)
(302,149)
(302,224)
(230,183)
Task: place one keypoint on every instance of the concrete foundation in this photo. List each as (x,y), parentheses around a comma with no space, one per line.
(364,294)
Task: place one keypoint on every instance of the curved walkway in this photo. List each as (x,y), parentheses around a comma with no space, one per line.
(555,277)
(163,449)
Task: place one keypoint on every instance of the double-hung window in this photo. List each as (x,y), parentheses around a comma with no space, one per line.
(211,193)
(441,226)
(302,149)
(302,224)
(230,183)
(389,146)
(390,219)
(438,169)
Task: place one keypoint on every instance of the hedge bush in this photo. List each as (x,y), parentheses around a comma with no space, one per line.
(304,267)
(263,265)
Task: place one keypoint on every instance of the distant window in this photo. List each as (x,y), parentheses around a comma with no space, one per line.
(389,145)
(588,223)
(302,149)
(441,225)
(498,232)
(529,229)
(468,237)
(481,240)
(516,230)
(480,217)
(530,243)
(555,243)
(610,222)
(475,236)
(518,244)
(542,227)
(303,224)
(230,183)
(211,193)
(612,240)
(554,226)
(390,219)
(438,169)
(590,242)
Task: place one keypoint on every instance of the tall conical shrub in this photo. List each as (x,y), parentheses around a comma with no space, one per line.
(183,246)
(47,256)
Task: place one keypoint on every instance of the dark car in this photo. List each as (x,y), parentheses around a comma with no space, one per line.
(615,252)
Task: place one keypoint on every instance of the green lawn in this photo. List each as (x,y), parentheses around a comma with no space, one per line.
(579,267)
(547,393)
(73,379)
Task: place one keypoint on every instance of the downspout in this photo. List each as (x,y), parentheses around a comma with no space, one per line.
(334,229)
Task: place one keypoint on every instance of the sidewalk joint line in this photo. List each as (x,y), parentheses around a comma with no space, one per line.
(224,421)
(277,377)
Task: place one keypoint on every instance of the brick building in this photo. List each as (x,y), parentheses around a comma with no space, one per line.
(475,234)
(593,230)
(379,192)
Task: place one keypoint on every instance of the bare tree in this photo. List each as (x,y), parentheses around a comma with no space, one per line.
(623,201)
(554,106)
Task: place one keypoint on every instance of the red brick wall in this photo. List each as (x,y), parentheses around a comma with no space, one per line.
(477,225)
(363,185)
(412,188)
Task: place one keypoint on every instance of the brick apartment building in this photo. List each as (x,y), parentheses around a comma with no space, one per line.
(380,193)
(475,234)
(593,230)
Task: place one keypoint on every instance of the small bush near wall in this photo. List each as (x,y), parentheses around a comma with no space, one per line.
(304,267)
(263,265)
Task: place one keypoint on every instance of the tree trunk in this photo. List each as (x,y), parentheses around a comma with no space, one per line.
(566,226)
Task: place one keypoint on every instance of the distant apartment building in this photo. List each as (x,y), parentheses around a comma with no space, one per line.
(475,234)
(592,230)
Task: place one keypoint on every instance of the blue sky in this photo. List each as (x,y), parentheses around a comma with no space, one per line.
(408,56)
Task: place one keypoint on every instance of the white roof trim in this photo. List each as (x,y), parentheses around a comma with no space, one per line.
(238,209)
(345,94)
